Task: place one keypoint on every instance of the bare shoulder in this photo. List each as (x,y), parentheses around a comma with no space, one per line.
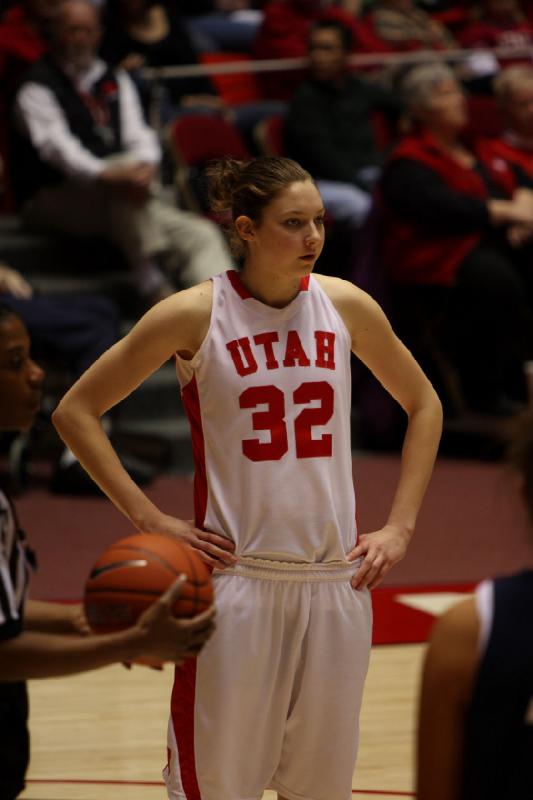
(182,319)
(355,306)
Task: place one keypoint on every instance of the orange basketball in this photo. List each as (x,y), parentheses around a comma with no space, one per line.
(133,572)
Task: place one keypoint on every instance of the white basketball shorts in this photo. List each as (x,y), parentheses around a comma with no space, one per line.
(273,700)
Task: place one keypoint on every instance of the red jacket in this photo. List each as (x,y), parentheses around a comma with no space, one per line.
(411,252)
(20,46)
(514,155)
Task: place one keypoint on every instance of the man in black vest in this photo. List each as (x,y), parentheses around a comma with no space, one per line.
(84,160)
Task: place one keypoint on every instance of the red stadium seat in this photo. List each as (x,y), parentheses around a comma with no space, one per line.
(234,88)
(194,141)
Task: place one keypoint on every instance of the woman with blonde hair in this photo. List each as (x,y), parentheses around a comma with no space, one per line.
(263,359)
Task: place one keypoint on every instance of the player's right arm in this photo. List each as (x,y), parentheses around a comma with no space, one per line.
(177,324)
(449,671)
(157,634)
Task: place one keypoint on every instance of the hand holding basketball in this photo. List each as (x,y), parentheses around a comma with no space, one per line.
(164,637)
(133,586)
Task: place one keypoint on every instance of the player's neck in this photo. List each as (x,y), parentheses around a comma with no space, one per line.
(269,288)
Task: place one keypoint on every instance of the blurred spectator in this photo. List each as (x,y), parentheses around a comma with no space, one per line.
(448,209)
(329,127)
(514,92)
(498,23)
(85,161)
(70,331)
(222,24)
(453,14)
(285,33)
(401,26)
(144,32)
(24,32)
(23,40)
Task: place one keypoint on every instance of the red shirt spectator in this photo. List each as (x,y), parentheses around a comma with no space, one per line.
(23,37)
(22,42)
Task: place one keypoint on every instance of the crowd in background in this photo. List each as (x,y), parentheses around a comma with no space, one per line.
(425,165)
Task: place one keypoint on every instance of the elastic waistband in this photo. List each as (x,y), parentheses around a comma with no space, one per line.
(293,571)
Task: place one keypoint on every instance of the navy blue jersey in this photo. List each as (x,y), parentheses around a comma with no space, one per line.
(499,728)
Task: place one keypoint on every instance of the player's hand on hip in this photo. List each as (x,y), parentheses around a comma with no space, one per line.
(380,551)
(167,638)
(213,549)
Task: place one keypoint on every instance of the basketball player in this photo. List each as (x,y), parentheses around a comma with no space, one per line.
(263,357)
(41,640)
(475,737)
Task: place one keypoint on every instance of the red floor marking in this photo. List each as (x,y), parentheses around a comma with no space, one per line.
(377,792)
(396,623)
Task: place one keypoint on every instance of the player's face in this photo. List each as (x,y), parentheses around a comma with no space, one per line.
(20,377)
(290,235)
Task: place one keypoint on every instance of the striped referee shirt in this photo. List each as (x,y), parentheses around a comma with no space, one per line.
(14,572)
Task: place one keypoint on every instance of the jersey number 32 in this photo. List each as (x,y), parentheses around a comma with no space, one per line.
(273,421)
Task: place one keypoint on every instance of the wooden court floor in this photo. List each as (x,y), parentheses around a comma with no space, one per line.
(101,736)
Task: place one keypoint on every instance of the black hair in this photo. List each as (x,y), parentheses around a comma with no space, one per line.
(345,34)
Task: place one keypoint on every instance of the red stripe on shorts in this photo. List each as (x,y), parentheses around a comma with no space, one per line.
(182,712)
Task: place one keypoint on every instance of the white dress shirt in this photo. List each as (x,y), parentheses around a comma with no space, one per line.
(41,117)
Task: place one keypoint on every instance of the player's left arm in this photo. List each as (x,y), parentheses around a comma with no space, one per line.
(378,347)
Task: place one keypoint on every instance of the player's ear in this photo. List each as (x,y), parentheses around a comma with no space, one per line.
(245,227)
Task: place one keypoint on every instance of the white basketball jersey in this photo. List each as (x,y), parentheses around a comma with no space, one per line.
(268,397)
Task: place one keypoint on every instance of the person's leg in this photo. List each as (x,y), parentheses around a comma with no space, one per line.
(70,207)
(91,209)
(195,247)
(322,728)
(232,703)
(135,231)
